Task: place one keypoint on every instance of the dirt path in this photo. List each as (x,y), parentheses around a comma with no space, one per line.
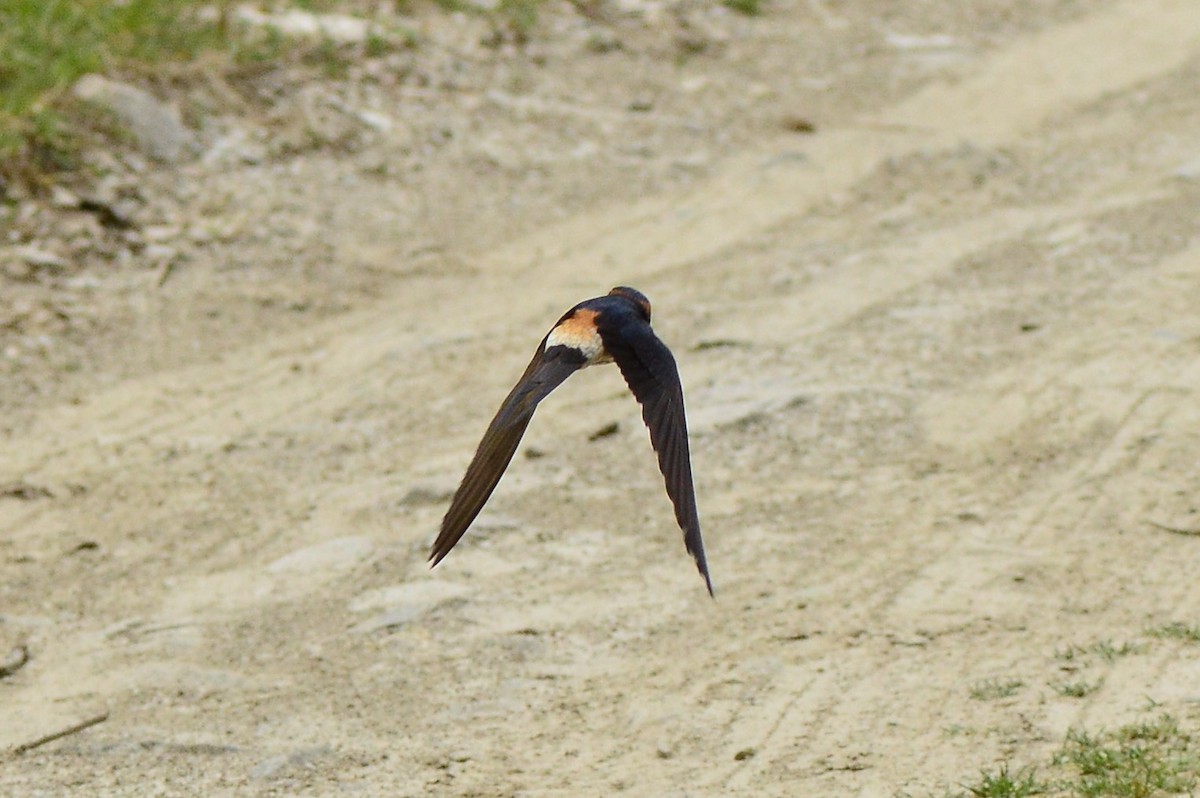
(942,370)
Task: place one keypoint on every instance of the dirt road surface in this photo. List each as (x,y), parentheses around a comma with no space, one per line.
(942,364)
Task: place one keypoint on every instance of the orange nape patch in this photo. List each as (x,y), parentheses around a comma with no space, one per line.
(578,331)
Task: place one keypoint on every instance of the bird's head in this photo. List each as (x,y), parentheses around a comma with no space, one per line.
(636,297)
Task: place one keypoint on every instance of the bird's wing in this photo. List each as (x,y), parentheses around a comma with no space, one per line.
(650,370)
(545,372)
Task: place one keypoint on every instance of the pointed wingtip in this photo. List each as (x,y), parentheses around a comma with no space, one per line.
(702,567)
(437,553)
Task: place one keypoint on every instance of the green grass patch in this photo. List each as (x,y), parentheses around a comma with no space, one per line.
(1142,760)
(750,8)
(1076,689)
(1106,650)
(1137,761)
(1176,631)
(1070,653)
(47,45)
(992,689)
(1110,652)
(1005,783)
(521,16)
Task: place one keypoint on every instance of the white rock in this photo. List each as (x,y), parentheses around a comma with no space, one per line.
(156,126)
(62,198)
(338,27)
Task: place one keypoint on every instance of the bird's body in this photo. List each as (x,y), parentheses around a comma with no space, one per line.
(612,328)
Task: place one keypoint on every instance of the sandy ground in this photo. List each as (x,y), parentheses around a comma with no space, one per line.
(941,359)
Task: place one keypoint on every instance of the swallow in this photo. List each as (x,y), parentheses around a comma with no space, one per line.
(610,329)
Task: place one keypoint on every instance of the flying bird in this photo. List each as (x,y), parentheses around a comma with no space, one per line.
(610,329)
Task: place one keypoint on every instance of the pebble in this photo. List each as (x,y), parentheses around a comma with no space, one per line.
(336,27)
(62,198)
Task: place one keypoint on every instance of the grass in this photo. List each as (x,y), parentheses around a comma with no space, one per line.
(1105,649)
(750,8)
(992,689)
(47,45)
(1109,652)
(521,16)
(1077,689)
(1176,631)
(1006,784)
(1137,761)
(1141,760)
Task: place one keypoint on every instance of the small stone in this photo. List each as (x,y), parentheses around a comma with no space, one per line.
(744,754)
(376,121)
(155,125)
(338,28)
(62,198)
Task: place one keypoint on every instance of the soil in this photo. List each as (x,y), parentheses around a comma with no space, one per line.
(930,272)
